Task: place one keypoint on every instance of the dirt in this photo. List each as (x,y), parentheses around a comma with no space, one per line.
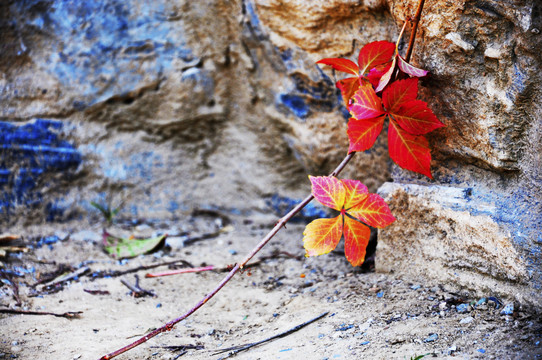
(370,315)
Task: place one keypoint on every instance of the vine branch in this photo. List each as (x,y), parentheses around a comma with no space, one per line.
(415,22)
(282,222)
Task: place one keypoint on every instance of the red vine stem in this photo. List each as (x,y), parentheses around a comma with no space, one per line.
(415,22)
(169,326)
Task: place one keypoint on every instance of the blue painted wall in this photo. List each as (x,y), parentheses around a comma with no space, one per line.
(29,153)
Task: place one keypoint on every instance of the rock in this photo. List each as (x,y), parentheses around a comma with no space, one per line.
(466,320)
(431,338)
(86,235)
(462,308)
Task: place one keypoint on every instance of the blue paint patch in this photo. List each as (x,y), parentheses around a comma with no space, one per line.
(296,104)
(29,153)
(105,47)
(281,205)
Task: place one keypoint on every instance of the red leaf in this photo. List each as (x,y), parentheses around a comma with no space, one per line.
(410,69)
(344,65)
(374,54)
(365,104)
(416,118)
(322,235)
(408,151)
(356,238)
(373,211)
(385,79)
(329,191)
(348,87)
(399,92)
(376,73)
(363,133)
(355,192)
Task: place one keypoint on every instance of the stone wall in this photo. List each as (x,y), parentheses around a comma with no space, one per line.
(177,105)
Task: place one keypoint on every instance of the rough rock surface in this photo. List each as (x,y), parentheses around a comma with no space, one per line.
(166,107)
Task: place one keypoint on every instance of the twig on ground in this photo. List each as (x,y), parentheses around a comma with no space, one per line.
(67,277)
(139,268)
(182,348)
(137,291)
(234,350)
(97,292)
(222,269)
(67,315)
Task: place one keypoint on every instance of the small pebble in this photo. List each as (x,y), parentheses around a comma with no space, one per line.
(380,294)
(431,338)
(481,301)
(482,351)
(365,343)
(467,320)
(508,309)
(415,287)
(232,252)
(462,308)
(452,349)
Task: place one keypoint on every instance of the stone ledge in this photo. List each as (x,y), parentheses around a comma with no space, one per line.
(438,235)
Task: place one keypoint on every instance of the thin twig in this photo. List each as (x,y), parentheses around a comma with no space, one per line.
(137,291)
(67,315)
(415,22)
(169,326)
(181,271)
(138,268)
(237,349)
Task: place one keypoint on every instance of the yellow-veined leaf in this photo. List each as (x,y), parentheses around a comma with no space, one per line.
(329,191)
(373,211)
(322,235)
(356,238)
(355,192)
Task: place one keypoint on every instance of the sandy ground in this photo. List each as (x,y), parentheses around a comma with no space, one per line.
(371,315)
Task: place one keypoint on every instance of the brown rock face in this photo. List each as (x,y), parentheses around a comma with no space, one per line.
(170,106)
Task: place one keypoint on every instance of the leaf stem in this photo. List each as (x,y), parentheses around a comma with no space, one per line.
(415,22)
(282,222)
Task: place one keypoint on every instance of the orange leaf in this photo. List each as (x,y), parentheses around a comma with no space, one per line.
(356,238)
(409,151)
(322,235)
(374,54)
(416,118)
(365,104)
(348,87)
(329,191)
(344,65)
(399,92)
(355,192)
(373,211)
(363,133)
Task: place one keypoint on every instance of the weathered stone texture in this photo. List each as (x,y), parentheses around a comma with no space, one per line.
(172,105)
